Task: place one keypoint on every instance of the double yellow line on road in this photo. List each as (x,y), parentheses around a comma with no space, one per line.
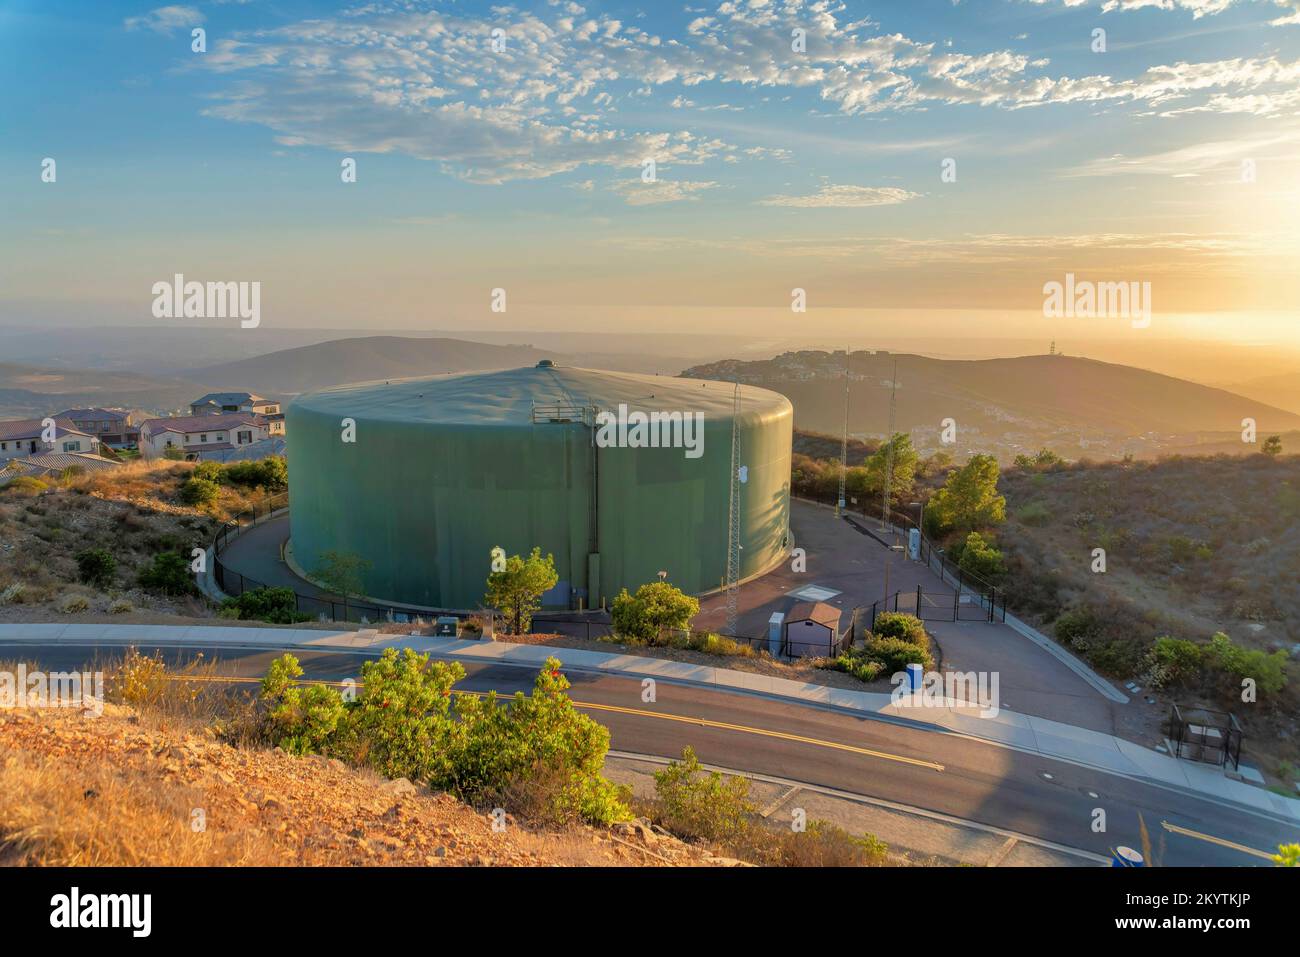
(1211,839)
(661,715)
(763,732)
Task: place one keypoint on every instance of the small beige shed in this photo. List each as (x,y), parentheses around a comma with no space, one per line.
(811,629)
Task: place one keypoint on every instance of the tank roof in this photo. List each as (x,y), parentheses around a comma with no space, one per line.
(509,396)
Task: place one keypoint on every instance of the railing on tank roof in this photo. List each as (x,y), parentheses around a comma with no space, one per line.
(563,412)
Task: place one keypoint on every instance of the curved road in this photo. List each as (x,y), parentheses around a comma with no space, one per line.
(942,772)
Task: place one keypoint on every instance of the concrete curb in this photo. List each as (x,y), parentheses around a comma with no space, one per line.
(1050,739)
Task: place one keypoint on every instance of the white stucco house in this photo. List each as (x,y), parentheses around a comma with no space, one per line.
(25,437)
(194,435)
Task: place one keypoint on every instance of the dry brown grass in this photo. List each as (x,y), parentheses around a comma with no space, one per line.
(122,790)
(67,813)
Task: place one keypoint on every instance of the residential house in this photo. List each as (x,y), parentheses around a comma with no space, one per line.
(24,437)
(215,403)
(194,435)
(113,427)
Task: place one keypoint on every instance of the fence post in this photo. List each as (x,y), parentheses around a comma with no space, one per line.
(918,601)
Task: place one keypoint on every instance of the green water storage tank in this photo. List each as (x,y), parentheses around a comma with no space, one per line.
(442,470)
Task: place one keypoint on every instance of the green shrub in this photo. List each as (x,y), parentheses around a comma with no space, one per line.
(402,719)
(120,607)
(270,473)
(1176,660)
(276,605)
(209,471)
(981,559)
(24,485)
(1034,514)
(199,491)
(169,574)
(895,654)
(699,804)
(302,720)
(1267,670)
(854,662)
(1075,626)
(537,753)
(95,566)
(898,624)
(652,612)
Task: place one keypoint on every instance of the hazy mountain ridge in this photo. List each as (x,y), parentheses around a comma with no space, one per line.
(1079,407)
(31,392)
(326,364)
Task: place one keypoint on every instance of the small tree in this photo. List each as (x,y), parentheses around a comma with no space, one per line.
(96,566)
(1272,446)
(969,499)
(516,591)
(340,572)
(654,608)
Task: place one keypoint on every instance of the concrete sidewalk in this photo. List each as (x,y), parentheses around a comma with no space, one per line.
(1026,733)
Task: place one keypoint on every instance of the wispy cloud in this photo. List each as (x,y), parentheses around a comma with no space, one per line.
(166,20)
(637,193)
(845,196)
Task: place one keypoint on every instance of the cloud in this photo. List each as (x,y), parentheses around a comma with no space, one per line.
(1197,8)
(1194,159)
(844,197)
(637,193)
(403,77)
(165,20)
(985,249)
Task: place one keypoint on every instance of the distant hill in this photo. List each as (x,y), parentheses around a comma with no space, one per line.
(30,391)
(1078,407)
(325,364)
(1282,391)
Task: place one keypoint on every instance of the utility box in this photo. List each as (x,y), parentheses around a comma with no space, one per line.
(914,544)
(447,626)
(775,627)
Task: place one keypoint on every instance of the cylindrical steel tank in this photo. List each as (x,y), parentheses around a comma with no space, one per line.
(442,470)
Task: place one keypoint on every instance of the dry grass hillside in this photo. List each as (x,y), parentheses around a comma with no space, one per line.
(134,512)
(125,789)
(1193,547)
(182,766)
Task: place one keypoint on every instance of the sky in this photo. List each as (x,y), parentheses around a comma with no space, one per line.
(917,168)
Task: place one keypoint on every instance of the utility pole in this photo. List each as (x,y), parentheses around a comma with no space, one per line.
(844,440)
(733,519)
(889,451)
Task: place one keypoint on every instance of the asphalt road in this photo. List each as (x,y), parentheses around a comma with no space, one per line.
(922,768)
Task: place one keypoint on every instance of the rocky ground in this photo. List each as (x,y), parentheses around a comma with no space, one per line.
(127,789)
